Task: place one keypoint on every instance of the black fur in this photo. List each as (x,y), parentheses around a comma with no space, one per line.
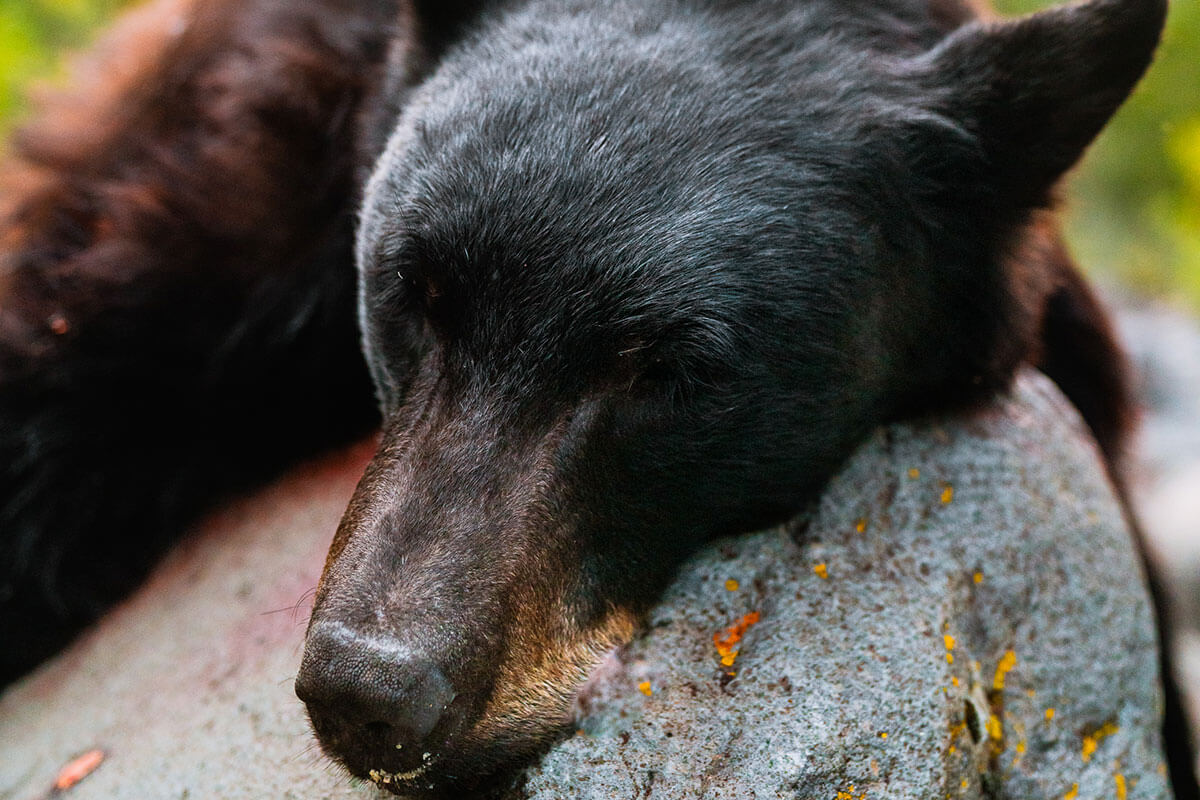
(632,274)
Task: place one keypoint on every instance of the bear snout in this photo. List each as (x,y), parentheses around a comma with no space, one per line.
(379,704)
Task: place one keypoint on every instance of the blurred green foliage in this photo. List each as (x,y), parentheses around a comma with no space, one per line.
(1133,209)
(33,33)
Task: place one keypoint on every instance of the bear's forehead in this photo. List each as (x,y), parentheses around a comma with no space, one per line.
(565,194)
(622,167)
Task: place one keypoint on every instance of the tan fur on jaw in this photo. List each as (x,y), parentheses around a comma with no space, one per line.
(540,679)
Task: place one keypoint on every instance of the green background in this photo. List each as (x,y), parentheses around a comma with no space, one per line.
(1133,209)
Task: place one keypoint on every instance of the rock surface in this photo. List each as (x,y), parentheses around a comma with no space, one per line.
(956,583)
(962,616)
(187,687)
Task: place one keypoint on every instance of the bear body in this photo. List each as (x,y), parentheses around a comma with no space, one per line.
(629,276)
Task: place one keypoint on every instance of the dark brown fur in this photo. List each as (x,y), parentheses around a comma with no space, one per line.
(176,289)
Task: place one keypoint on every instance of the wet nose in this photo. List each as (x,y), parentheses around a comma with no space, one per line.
(377,702)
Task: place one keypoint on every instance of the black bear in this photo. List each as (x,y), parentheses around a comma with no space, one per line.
(631,275)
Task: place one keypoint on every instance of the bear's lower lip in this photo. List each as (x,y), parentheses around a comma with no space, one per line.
(383,778)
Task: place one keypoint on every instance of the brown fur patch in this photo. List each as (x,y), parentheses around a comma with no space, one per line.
(539,678)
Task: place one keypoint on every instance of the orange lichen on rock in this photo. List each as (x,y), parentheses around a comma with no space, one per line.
(1007,662)
(78,769)
(644,688)
(995,728)
(822,571)
(1092,740)
(725,643)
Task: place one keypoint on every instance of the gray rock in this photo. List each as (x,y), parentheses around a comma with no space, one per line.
(981,621)
(187,687)
(1007,539)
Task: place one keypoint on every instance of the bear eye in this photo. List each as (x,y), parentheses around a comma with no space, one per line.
(665,362)
(649,366)
(413,291)
(659,369)
(407,287)
(391,293)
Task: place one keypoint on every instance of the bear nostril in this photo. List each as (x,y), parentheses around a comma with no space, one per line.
(374,702)
(378,730)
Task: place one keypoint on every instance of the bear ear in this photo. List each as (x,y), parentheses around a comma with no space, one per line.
(1033,92)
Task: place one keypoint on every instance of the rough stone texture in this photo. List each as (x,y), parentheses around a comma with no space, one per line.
(187,687)
(999,532)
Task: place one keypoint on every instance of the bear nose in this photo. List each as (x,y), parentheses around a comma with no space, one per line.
(373,700)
